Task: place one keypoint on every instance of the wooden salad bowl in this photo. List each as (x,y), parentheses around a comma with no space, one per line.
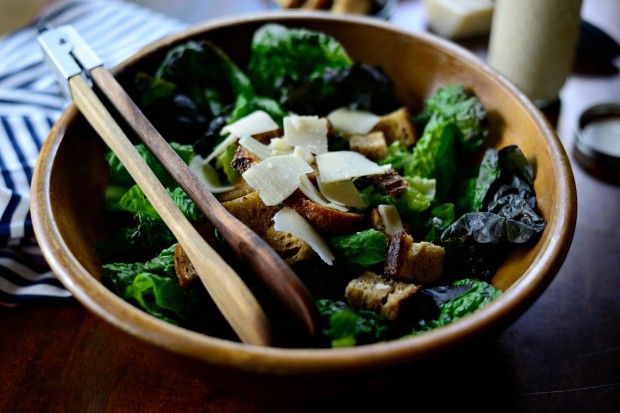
(68,214)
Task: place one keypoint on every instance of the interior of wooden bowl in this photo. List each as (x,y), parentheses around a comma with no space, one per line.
(69,216)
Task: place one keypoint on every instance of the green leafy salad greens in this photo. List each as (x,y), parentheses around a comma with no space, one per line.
(474,201)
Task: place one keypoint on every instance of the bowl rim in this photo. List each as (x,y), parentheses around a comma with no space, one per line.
(294,361)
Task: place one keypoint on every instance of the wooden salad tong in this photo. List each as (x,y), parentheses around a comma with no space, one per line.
(76,64)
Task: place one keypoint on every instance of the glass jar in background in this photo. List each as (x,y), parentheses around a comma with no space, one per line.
(533,44)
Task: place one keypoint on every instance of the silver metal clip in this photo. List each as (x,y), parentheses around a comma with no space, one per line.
(68,54)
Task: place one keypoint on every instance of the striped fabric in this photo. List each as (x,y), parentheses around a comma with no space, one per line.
(30,103)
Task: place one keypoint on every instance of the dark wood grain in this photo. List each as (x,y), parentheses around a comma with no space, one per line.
(562,355)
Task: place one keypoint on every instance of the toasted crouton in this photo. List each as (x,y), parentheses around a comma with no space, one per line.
(372,146)
(420,262)
(375,293)
(265,137)
(243,160)
(397,126)
(251,210)
(241,187)
(376,221)
(324,218)
(185,271)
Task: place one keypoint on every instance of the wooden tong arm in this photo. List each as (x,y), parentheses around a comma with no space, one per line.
(266,263)
(230,294)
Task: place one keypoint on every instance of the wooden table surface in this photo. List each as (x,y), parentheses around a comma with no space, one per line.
(562,355)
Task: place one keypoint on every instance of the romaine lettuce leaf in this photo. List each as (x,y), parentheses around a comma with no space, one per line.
(398,156)
(348,327)
(433,156)
(454,104)
(282,57)
(120,176)
(362,249)
(410,202)
(152,286)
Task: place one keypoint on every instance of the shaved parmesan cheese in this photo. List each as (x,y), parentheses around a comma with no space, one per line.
(341,192)
(255,147)
(288,220)
(390,218)
(277,177)
(314,195)
(252,124)
(309,132)
(304,154)
(208,175)
(353,122)
(279,147)
(344,165)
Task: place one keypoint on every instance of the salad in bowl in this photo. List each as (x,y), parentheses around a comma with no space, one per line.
(395,216)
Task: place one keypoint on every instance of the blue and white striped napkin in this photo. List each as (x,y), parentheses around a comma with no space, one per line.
(30,103)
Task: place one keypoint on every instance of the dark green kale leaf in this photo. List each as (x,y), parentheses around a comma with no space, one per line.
(456,301)
(206,73)
(505,199)
(172,111)
(137,237)
(358,86)
(196,84)
(282,58)
(487,227)
(507,166)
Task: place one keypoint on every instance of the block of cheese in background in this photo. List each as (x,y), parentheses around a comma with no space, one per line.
(456,19)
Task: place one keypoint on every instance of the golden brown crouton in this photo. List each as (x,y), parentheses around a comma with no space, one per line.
(265,137)
(251,210)
(372,146)
(185,271)
(243,160)
(324,218)
(376,221)
(375,293)
(397,126)
(420,262)
(241,188)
